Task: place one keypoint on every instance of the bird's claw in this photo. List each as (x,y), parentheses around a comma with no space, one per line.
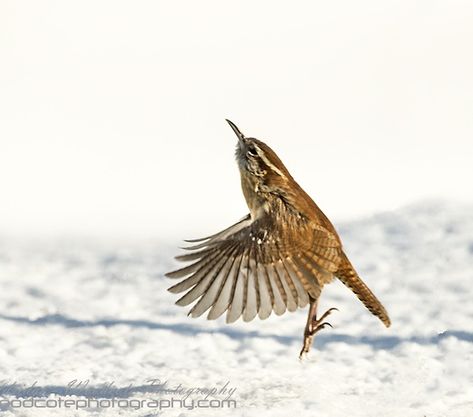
(315,326)
(321,326)
(326,314)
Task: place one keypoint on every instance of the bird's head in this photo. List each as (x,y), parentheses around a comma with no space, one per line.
(258,160)
(263,175)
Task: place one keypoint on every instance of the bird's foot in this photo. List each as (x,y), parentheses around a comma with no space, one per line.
(314,326)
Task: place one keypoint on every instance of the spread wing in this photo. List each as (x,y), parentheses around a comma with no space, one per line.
(253,268)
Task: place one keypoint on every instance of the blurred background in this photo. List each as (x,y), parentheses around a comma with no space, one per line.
(112,112)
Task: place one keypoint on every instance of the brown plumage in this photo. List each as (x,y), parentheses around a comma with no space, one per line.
(277,258)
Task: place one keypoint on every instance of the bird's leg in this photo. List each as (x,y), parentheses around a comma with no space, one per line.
(313,325)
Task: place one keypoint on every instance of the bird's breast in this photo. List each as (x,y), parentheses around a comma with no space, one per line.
(255,199)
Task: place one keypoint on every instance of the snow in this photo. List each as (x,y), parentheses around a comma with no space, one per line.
(98,311)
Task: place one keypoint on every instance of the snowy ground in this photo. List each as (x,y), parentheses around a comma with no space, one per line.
(98,311)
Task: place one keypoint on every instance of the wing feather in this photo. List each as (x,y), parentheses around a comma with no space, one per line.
(195,255)
(203,284)
(251,301)
(254,268)
(290,289)
(266,305)
(213,288)
(302,293)
(182,272)
(279,299)
(304,276)
(220,235)
(279,304)
(326,258)
(321,275)
(203,267)
(225,296)
(237,296)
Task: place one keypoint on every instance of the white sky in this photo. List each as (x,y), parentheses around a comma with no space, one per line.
(112,112)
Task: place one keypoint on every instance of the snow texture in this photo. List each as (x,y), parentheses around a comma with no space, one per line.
(75,310)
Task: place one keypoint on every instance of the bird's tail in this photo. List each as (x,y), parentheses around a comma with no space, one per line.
(350,278)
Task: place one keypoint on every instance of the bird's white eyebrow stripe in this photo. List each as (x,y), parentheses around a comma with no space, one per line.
(267,162)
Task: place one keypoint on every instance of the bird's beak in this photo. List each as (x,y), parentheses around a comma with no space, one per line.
(236,130)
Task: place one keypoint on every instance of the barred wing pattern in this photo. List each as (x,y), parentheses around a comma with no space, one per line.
(253,268)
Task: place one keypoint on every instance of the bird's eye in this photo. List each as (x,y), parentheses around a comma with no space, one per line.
(251,152)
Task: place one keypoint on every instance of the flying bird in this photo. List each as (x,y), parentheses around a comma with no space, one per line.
(277,258)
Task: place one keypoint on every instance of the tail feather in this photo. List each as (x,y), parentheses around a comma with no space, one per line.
(350,278)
